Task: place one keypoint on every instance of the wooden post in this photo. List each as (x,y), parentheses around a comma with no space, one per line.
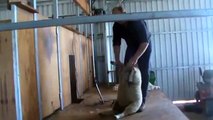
(84,5)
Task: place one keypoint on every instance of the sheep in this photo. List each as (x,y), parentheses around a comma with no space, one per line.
(129,97)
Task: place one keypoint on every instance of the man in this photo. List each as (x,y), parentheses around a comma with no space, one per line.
(137,38)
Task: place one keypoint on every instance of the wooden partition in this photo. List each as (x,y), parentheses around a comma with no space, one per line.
(27,73)
(78,46)
(71,44)
(7,95)
(48,70)
(28,84)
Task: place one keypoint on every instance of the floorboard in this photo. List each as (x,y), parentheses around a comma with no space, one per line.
(158,107)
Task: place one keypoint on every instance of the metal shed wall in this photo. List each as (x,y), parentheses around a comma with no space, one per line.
(180,46)
(67,8)
(4,13)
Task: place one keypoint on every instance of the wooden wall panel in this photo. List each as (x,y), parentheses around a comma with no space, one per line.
(48,70)
(90,69)
(85,68)
(77,45)
(85,63)
(7,95)
(91,76)
(29,95)
(79,64)
(67,48)
(71,44)
(90,63)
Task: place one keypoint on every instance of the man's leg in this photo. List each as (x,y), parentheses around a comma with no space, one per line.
(143,64)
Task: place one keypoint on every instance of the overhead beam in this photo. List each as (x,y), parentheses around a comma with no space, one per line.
(18,1)
(84,5)
(106,18)
(24,4)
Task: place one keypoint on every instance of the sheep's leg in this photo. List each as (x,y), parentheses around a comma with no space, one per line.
(117,108)
(130,109)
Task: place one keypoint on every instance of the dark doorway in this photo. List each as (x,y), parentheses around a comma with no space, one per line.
(73,80)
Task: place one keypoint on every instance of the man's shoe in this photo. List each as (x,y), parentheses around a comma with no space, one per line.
(142,107)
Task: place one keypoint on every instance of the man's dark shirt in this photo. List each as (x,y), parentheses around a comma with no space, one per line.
(134,33)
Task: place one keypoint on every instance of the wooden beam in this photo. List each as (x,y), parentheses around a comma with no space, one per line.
(24,4)
(84,5)
(14,1)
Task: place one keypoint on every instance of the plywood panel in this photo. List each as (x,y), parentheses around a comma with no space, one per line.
(90,64)
(7,96)
(77,45)
(67,48)
(48,70)
(85,58)
(85,63)
(79,63)
(84,46)
(29,95)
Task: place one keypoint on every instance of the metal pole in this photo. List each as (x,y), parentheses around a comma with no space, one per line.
(55,16)
(78,14)
(93,58)
(37,63)
(16,72)
(106,18)
(107,50)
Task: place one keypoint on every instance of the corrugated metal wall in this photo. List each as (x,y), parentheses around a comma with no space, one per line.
(100,47)
(67,8)
(180,46)
(4,13)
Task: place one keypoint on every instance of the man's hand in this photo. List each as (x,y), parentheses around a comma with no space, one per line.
(141,49)
(132,62)
(119,65)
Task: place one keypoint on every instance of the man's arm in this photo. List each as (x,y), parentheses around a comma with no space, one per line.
(141,32)
(140,51)
(117,54)
(116,43)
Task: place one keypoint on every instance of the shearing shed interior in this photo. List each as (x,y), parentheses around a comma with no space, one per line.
(56,59)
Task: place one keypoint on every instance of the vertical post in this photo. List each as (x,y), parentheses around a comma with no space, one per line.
(107,49)
(93,56)
(92,38)
(16,72)
(55,16)
(79,30)
(78,14)
(37,62)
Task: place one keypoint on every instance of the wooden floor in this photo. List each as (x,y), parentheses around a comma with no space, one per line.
(158,107)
